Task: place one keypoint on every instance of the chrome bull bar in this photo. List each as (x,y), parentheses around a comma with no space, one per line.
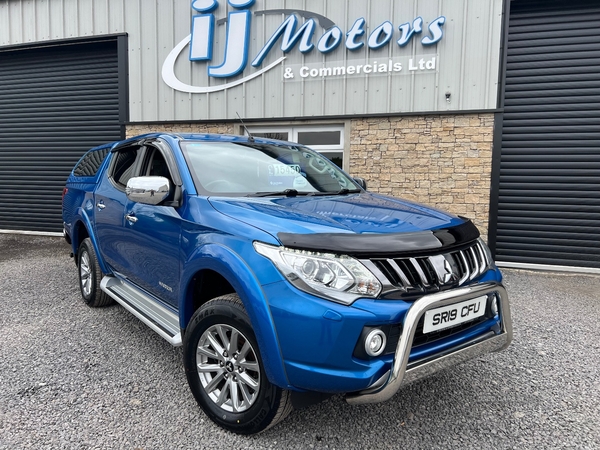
(401,373)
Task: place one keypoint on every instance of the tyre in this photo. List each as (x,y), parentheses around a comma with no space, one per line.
(225,370)
(90,276)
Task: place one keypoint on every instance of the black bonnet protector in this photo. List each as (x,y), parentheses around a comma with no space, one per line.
(376,245)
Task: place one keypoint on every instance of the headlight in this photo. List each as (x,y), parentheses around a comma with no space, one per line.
(337,277)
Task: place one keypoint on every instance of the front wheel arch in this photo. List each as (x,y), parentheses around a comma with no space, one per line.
(240,277)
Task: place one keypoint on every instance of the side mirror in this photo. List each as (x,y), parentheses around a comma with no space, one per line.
(148,190)
(361,182)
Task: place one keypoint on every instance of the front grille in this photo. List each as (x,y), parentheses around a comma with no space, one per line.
(425,274)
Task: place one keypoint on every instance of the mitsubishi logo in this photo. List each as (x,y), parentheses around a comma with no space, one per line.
(443,269)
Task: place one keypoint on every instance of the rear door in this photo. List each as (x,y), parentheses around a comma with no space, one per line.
(109,204)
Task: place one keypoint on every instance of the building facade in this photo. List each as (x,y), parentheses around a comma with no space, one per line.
(468,105)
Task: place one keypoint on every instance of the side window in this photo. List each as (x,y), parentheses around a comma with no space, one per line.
(90,163)
(156,165)
(124,166)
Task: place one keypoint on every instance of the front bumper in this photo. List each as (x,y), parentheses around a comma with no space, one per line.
(402,373)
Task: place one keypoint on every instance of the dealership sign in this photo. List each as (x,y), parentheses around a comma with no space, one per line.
(292,35)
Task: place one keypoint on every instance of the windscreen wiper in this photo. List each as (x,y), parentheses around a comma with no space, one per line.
(340,192)
(285,193)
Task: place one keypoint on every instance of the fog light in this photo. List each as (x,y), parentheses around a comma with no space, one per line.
(375,343)
(494,305)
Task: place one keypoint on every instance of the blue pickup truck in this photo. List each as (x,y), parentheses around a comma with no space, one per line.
(283,278)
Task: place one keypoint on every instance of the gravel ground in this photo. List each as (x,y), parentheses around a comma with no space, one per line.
(76,378)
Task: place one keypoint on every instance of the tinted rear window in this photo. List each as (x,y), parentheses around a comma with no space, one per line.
(90,163)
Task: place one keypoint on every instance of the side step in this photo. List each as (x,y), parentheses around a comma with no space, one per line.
(162,320)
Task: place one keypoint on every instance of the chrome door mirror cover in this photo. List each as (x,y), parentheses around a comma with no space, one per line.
(148,190)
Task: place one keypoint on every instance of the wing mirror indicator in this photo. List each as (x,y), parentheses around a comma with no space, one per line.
(148,190)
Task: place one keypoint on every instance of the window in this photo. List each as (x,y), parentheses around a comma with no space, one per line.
(255,169)
(326,139)
(90,163)
(124,165)
(156,165)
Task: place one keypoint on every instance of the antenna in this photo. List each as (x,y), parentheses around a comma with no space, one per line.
(250,137)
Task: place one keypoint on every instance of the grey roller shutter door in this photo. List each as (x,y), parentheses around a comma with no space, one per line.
(549,186)
(55,103)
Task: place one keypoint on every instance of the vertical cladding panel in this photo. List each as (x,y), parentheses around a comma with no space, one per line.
(71,13)
(401,83)
(133,22)
(42,23)
(495,54)
(355,87)
(15,12)
(164,34)
(116,16)
(450,51)
(28,14)
(56,14)
(46,126)
(334,87)
(272,79)
(477,55)
(254,104)
(210,103)
(234,101)
(148,20)
(313,88)
(376,86)
(85,17)
(234,97)
(100,17)
(4,23)
(292,92)
(423,85)
(215,102)
(185,106)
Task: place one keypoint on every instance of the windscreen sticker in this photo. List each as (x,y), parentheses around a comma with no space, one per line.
(286,176)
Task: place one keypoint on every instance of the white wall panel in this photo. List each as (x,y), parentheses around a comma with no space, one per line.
(4,23)
(467,56)
(29,13)
(355,87)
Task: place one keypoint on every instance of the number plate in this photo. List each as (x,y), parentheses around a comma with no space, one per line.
(452,315)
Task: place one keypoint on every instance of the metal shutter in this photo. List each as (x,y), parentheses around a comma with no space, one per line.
(549,185)
(56,102)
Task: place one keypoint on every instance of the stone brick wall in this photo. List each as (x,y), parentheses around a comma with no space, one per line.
(220,128)
(442,161)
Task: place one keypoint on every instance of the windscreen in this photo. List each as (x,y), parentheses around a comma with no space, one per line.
(252,168)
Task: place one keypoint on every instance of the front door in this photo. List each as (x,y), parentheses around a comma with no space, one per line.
(152,236)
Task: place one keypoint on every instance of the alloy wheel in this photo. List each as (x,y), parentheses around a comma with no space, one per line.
(228,368)
(85,274)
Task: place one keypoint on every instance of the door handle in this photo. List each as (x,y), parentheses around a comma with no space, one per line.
(131,218)
(100,205)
